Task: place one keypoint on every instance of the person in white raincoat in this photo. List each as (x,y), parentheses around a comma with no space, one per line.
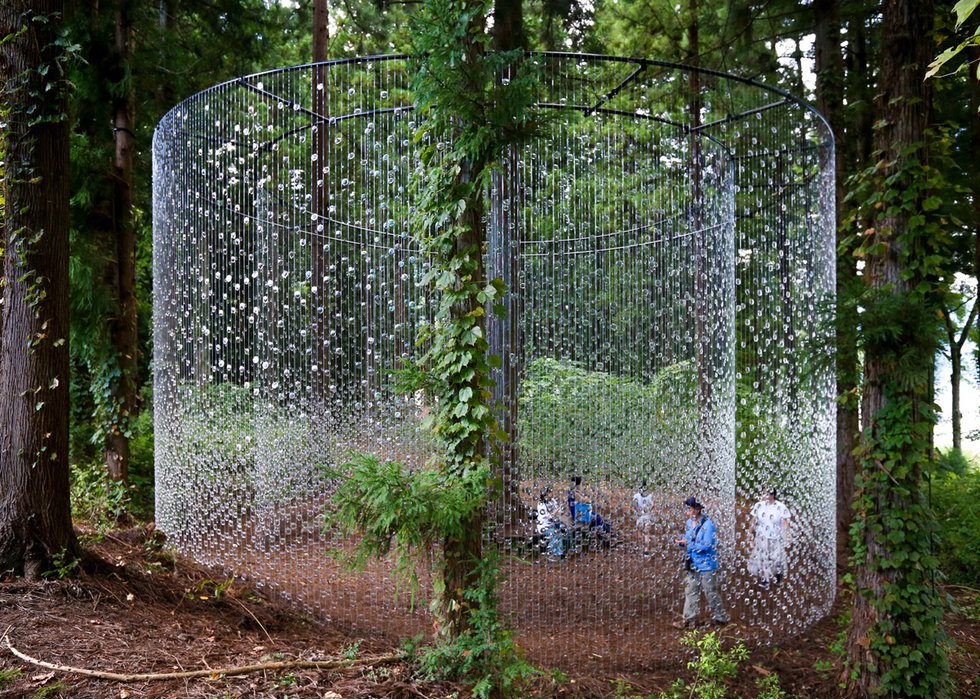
(770,524)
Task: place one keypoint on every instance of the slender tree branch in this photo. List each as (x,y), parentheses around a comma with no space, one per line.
(337,663)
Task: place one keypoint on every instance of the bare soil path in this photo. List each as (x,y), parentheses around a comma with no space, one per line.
(135,609)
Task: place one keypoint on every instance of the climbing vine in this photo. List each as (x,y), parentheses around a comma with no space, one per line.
(893,535)
(471,104)
(39,91)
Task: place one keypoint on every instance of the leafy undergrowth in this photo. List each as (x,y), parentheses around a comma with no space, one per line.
(133,608)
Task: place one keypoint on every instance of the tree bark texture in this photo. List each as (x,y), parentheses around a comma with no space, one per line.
(321,30)
(902,107)
(508,25)
(503,238)
(35,516)
(829,66)
(123,326)
(956,373)
(463,549)
(956,365)
(319,262)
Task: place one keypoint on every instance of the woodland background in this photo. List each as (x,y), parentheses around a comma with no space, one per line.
(85,83)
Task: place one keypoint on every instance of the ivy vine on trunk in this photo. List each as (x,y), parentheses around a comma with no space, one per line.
(896,646)
(35,516)
(471,106)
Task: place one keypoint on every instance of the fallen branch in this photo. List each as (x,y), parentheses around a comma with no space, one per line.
(217,672)
(963,587)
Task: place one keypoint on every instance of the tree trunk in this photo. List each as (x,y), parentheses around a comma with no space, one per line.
(123,327)
(956,364)
(504,334)
(703,329)
(35,514)
(508,25)
(974,91)
(902,111)
(321,30)
(319,263)
(829,65)
(463,549)
(955,374)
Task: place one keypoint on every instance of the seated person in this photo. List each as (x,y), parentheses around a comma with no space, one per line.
(583,515)
(549,525)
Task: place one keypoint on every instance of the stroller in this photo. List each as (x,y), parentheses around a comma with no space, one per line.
(552,537)
(589,530)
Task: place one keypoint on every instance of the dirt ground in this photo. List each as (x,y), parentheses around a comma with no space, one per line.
(134,608)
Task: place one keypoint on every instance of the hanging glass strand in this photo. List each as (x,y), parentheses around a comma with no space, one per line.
(667,242)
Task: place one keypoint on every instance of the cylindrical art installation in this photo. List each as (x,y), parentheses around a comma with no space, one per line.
(667,242)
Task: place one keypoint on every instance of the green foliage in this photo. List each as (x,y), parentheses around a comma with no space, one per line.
(41,84)
(920,194)
(484,653)
(351,650)
(33,97)
(191,46)
(102,502)
(956,502)
(141,446)
(769,687)
(468,113)
(624,690)
(393,509)
(9,674)
(906,247)
(570,415)
(764,441)
(713,668)
(964,9)
(903,332)
(220,432)
(64,564)
(210,589)
(54,689)
(907,639)
(950,461)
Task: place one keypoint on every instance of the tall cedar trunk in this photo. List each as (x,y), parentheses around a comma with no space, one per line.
(508,25)
(35,516)
(956,366)
(829,66)
(701,281)
(902,111)
(320,139)
(974,91)
(956,372)
(321,30)
(123,327)
(860,92)
(463,550)
(504,334)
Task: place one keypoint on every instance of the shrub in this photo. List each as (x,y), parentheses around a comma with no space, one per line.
(713,669)
(956,502)
(597,423)
(101,502)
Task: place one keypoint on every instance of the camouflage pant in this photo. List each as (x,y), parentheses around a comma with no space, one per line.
(702,581)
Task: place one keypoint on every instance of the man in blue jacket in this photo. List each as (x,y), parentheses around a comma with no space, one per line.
(701,565)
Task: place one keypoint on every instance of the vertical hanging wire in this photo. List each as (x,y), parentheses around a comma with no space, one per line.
(605,301)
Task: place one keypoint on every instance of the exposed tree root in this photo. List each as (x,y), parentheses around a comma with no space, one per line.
(215,672)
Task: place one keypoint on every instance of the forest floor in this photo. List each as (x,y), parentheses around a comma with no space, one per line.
(133,608)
